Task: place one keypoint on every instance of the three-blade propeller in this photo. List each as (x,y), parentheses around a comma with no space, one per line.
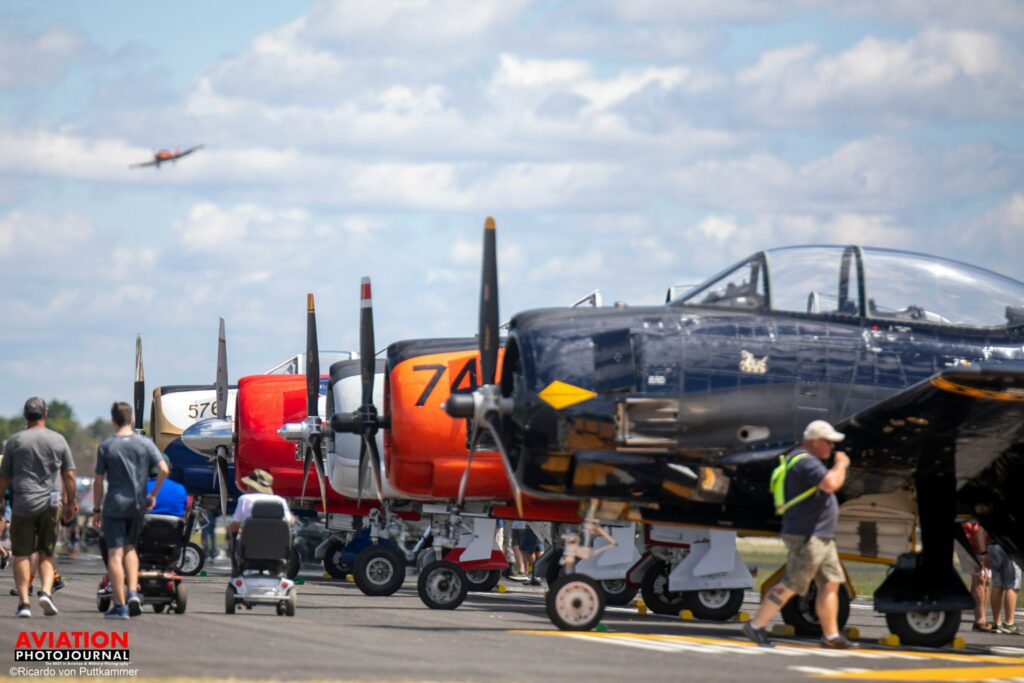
(313,453)
(365,420)
(485,404)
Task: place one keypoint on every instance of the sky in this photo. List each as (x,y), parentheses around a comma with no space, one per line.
(621,146)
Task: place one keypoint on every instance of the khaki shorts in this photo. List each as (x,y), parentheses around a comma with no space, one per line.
(811,559)
(39,532)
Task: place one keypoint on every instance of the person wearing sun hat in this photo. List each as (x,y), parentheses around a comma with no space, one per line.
(261,483)
(806,498)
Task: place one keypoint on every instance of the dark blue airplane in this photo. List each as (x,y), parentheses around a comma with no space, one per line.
(678,413)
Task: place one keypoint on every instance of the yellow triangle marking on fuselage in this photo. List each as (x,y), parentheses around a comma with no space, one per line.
(562,395)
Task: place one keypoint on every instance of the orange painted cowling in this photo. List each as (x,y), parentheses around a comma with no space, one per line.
(425,449)
(265,402)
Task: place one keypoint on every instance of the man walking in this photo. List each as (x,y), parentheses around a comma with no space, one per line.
(35,460)
(809,515)
(123,462)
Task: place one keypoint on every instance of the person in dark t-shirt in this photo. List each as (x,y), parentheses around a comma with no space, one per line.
(809,515)
(123,462)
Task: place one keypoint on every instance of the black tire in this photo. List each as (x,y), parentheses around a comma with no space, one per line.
(103,604)
(654,589)
(159,607)
(180,598)
(379,570)
(618,592)
(294,564)
(714,605)
(289,603)
(554,568)
(799,612)
(575,602)
(332,560)
(442,585)
(925,629)
(229,600)
(191,560)
(482,580)
(280,608)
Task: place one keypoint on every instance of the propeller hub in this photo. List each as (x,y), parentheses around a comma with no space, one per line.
(210,438)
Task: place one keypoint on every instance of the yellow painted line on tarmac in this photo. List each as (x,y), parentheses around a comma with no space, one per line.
(705,640)
(958,673)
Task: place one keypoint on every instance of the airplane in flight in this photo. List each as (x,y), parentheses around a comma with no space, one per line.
(679,412)
(164,155)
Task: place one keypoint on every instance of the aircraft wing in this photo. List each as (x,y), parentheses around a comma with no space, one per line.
(188,151)
(978,409)
(143,164)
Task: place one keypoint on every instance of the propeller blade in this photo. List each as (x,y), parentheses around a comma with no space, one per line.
(517,492)
(306,460)
(371,444)
(312,360)
(473,443)
(222,373)
(222,484)
(321,470)
(489,306)
(362,471)
(367,351)
(140,385)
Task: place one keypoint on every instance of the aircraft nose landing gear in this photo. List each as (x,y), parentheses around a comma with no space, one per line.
(575,602)
(442,585)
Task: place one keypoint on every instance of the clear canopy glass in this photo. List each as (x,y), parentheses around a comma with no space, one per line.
(880,284)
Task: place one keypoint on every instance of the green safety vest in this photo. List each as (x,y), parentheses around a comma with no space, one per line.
(778,484)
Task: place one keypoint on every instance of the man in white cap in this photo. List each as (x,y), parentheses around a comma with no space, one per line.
(809,514)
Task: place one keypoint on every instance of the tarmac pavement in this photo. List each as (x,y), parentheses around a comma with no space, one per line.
(338,633)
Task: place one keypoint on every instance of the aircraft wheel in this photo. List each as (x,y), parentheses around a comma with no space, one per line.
(229,600)
(442,585)
(654,589)
(294,564)
(333,564)
(159,607)
(103,604)
(379,570)
(926,629)
(575,602)
(618,591)
(180,598)
(483,580)
(801,614)
(289,603)
(280,609)
(192,559)
(716,604)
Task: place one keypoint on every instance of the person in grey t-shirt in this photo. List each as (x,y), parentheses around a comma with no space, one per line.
(123,461)
(35,461)
(808,530)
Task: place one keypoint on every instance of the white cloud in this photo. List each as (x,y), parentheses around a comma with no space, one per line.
(36,61)
(937,75)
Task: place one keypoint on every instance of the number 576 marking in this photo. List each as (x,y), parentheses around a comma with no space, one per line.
(199,409)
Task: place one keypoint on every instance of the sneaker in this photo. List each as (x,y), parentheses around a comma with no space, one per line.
(117,612)
(4,561)
(1013,629)
(134,604)
(519,577)
(14,592)
(533,582)
(838,643)
(982,628)
(58,582)
(1000,628)
(757,635)
(24,612)
(46,602)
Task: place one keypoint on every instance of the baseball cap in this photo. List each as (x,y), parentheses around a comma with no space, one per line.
(35,408)
(819,429)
